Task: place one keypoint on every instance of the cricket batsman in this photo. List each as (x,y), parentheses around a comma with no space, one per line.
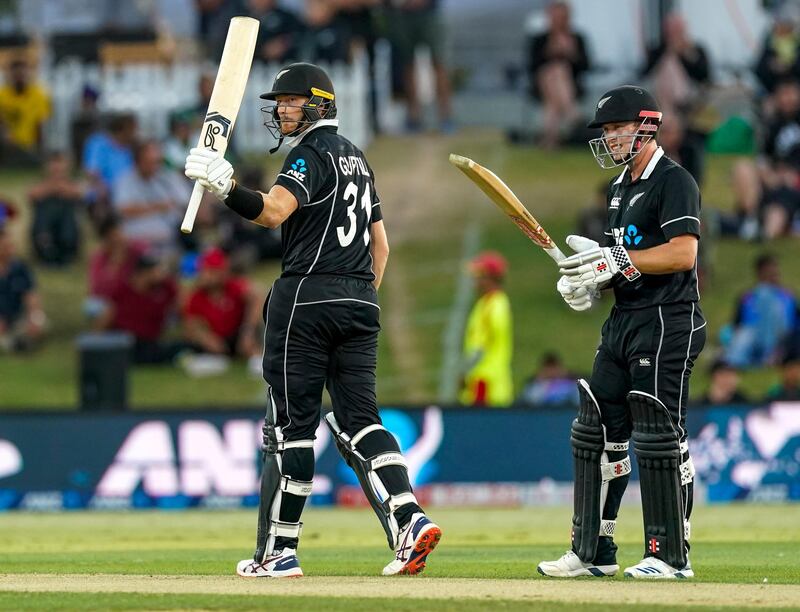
(640,379)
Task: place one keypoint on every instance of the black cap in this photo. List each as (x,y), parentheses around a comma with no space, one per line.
(626,103)
(301,79)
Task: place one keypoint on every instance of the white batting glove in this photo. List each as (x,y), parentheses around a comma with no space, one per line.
(577,298)
(211,169)
(596,265)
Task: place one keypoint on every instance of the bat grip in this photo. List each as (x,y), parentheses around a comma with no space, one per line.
(191,210)
(556,254)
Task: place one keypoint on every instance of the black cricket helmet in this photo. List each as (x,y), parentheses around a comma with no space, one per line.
(625,104)
(300,79)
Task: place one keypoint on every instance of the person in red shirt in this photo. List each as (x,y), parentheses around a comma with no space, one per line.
(141,305)
(221,313)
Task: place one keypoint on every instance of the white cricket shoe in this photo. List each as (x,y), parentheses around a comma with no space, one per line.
(280,564)
(653,568)
(570,566)
(416,542)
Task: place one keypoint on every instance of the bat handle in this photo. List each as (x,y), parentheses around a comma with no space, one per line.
(556,254)
(191,210)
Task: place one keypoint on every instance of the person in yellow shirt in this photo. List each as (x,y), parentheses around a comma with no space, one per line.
(24,107)
(488,339)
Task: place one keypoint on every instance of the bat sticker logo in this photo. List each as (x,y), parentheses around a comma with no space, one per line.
(216,125)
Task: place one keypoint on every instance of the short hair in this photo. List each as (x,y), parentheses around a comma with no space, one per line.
(764,260)
(121,121)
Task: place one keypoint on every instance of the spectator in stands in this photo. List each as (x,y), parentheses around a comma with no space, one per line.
(107,155)
(22,319)
(85,122)
(723,386)
(552,385)
(416,23)
(7,211)
(142,305)
(593,220)
(780,204)
(278,34)
(222,313)
(179,141)
(488,339)
(780,54)
(683,146)
(744,221)
(327,36)
(765,316)
(56,202)
(149,199)
(678,67)
(24,108)
(788,389)
(110,265)
(557,59)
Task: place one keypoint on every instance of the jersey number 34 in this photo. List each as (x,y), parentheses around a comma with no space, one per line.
(351,196)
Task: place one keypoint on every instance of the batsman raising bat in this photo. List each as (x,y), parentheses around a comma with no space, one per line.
(640,380)
(322,324)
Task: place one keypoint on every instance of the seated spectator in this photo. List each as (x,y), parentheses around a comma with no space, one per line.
(743,222)
(278,34)
(765,315)
(327,36)
(24,108)
(22,319)
(780,205)
(551,385)
(780,53)
(7,210)
(557,59)
(593,220)
(222,313)
(110,265)
(85,122)
(107,155)
(142,305)
(149,199)
(683,146)
(56,202)
(678,67)
(788,389)
(179,141)
(723,387)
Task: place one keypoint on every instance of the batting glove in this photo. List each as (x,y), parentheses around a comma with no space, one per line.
(577,298)
(596,266)
(212,170)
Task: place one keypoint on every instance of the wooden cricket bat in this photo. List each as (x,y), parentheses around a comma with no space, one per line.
(226,98)
(506,201)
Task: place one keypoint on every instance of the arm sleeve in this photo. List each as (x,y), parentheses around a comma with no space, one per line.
(304,173)
(377,212)
(679,207)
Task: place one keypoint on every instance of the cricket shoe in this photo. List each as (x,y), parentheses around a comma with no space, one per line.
(280,564)
(570,566)
(416,541)
(653,568)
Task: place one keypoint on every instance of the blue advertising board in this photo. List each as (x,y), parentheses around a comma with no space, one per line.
(455,456)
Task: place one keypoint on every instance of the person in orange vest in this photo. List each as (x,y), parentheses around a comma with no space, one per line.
(488,338)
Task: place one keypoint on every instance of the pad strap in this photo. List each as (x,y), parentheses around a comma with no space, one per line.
(361,434)
(687,471)
(607,528)
(687,530)
(395,501)
(283,445)
(615,469)
(617,446)
(301,488)
(387,459)
(281,529)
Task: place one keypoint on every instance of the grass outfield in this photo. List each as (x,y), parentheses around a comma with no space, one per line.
(743,555)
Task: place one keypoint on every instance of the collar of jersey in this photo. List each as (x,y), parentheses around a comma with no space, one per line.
(651,165)
(296,140)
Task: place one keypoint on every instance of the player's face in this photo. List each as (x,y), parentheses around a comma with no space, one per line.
(290,112)
(619,137)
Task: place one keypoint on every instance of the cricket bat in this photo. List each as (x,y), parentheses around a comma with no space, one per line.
(506,201)
(226,98)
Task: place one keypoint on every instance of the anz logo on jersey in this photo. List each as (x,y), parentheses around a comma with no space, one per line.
(627,236)
(298,169)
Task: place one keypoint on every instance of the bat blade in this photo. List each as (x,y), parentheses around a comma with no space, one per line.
(505,199)
(226,98)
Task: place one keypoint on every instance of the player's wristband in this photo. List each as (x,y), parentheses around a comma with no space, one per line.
(245,202)
(624,264)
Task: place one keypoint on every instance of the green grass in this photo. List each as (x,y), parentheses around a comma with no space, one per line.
(426,220)
(735,544)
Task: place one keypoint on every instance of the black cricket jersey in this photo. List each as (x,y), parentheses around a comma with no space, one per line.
(335,188)
(662,204)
